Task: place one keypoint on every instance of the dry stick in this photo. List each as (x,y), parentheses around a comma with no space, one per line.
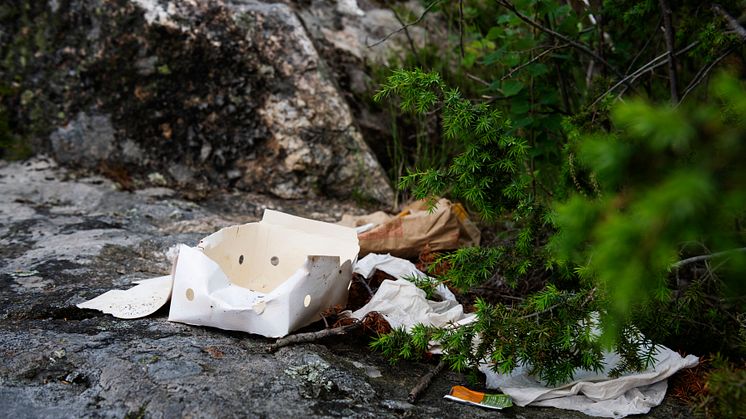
(700,258)
(650,66)
(409,37)
(643,49)
(313,336)
(361,279)
(732,22)
(702,74)
(533,60)
(669,36)
(425,381)
(461,26)
(390,34)
(477,79)
(508,5)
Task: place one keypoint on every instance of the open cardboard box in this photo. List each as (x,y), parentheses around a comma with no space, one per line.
(268,278)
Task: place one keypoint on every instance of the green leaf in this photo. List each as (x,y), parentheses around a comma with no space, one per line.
(511,87)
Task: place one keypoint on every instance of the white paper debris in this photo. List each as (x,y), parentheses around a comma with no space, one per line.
(400,302)
(139,301)
(268,278)
(398,268)
(596,394)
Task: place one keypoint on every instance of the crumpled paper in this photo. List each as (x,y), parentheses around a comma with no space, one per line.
(401,303)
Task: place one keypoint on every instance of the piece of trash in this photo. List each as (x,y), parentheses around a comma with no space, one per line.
(142,300)
(268,278)
(401,303)
(446,227)
(595,394)
(462,394)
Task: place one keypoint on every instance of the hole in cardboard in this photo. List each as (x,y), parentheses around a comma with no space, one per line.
(190,294)
(274,260)
(307,301)
(240,260)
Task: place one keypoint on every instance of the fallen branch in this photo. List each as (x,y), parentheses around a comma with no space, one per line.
(404,27)
(425,381)
(313,336)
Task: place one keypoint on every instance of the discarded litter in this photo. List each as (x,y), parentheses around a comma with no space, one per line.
(462,394)
(401,303)
(595,394)
(268,278)
(139,301)
(446,227)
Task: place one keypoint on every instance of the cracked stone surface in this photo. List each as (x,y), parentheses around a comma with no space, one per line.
(64,239)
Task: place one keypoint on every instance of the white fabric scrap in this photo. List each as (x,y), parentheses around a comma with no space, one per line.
(595,394)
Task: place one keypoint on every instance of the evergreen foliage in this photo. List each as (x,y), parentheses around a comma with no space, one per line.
(630,213)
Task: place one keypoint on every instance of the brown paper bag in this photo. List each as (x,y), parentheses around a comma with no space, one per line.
(405,235)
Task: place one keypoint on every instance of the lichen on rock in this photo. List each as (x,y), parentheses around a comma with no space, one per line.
(216,93)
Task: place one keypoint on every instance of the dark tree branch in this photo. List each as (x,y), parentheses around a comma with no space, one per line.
(583,48)
(669,36)
(732,22)
(405,27)
(425,381)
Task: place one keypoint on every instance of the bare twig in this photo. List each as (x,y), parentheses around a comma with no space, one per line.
(669,36)
(584,48)
(643,49)
(732,22)
(478,79)
(648,67)
(533,60)
(362,280)
(312,336)
(425,381)
(409,37)
(702,73)
(461,26)
(700,258)
(419,19)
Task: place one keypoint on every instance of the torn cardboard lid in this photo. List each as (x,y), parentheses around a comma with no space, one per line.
(268,278)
